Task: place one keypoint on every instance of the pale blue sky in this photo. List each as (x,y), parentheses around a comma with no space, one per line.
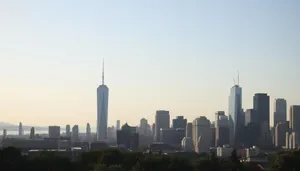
(179,55)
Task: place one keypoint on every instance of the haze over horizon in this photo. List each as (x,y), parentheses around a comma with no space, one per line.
(175,55)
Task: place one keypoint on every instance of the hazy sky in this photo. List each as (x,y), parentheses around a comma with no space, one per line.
(178,55)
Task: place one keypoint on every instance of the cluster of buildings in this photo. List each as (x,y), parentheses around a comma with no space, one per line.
(240,128)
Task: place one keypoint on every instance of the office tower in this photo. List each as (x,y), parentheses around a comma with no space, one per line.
(75,133)
(252,128)
(281,128)
(221,129)
(189,129)
(179,122)
(279,111)
(118,126)
(102,109)
(251,117)
(172,136)
(54,131)
(261,105)
(32,133)
(127,137)
(201,134)
(88,132)
(4,134)
(162,120)
(295,121)
(68,131)
(143,127)
(235,114)
(153,130)
(21,131)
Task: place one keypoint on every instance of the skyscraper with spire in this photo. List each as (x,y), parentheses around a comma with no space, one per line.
(102,109)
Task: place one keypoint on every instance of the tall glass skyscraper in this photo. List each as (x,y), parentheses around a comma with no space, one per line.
(235,113)
(102,110)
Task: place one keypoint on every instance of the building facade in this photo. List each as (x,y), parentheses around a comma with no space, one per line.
(162,120)
(280,109)
(54,131)
(235,114)
(102,110)
(202,134)
(179,122)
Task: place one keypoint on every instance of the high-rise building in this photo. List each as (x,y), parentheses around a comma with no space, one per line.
(221,135)
(88,132)
(189,130)
(281,129)
(143,130)
(75,133)
(179,122)
(279,111)
(68,131)
(251,117)
(261,105)
(4,134)
(235,113)
(102,109)
(295,121)
(32,133)
(127,137)
(54,131)
(202,134)
(118,125)
(162,120)
(21,131)
(172,136)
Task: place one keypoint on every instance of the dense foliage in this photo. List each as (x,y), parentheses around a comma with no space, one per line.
(115,160)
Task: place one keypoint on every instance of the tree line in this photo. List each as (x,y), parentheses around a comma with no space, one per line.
(11,159)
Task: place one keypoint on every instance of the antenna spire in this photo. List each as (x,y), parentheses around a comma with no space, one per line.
(238,78)
(103,72)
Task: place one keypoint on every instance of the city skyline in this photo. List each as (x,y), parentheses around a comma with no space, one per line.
(180,58)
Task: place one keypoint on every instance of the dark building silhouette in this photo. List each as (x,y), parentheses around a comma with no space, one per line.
(213,136)
(32,134)
(281,128)
(179,122)
(127,137)
(222,136)
(162,120)
(54,131)
(172,136)
(280,109)
(294,123)
(68,131)
(261,105)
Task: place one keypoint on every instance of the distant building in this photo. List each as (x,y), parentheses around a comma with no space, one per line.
(68,131)
(280,109)
(102,109)
(4,134)
(118,125)
(143,130)
(172,136)
(224,151)
(187,144)
(295,121)
(162,120)
(189,129)
(88,135)
(127,137)
(32,134)
(280,133)
(54,132)
(202,128)
(75,133)
(21,131)
(179,122)
(236,115)
(261,105)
